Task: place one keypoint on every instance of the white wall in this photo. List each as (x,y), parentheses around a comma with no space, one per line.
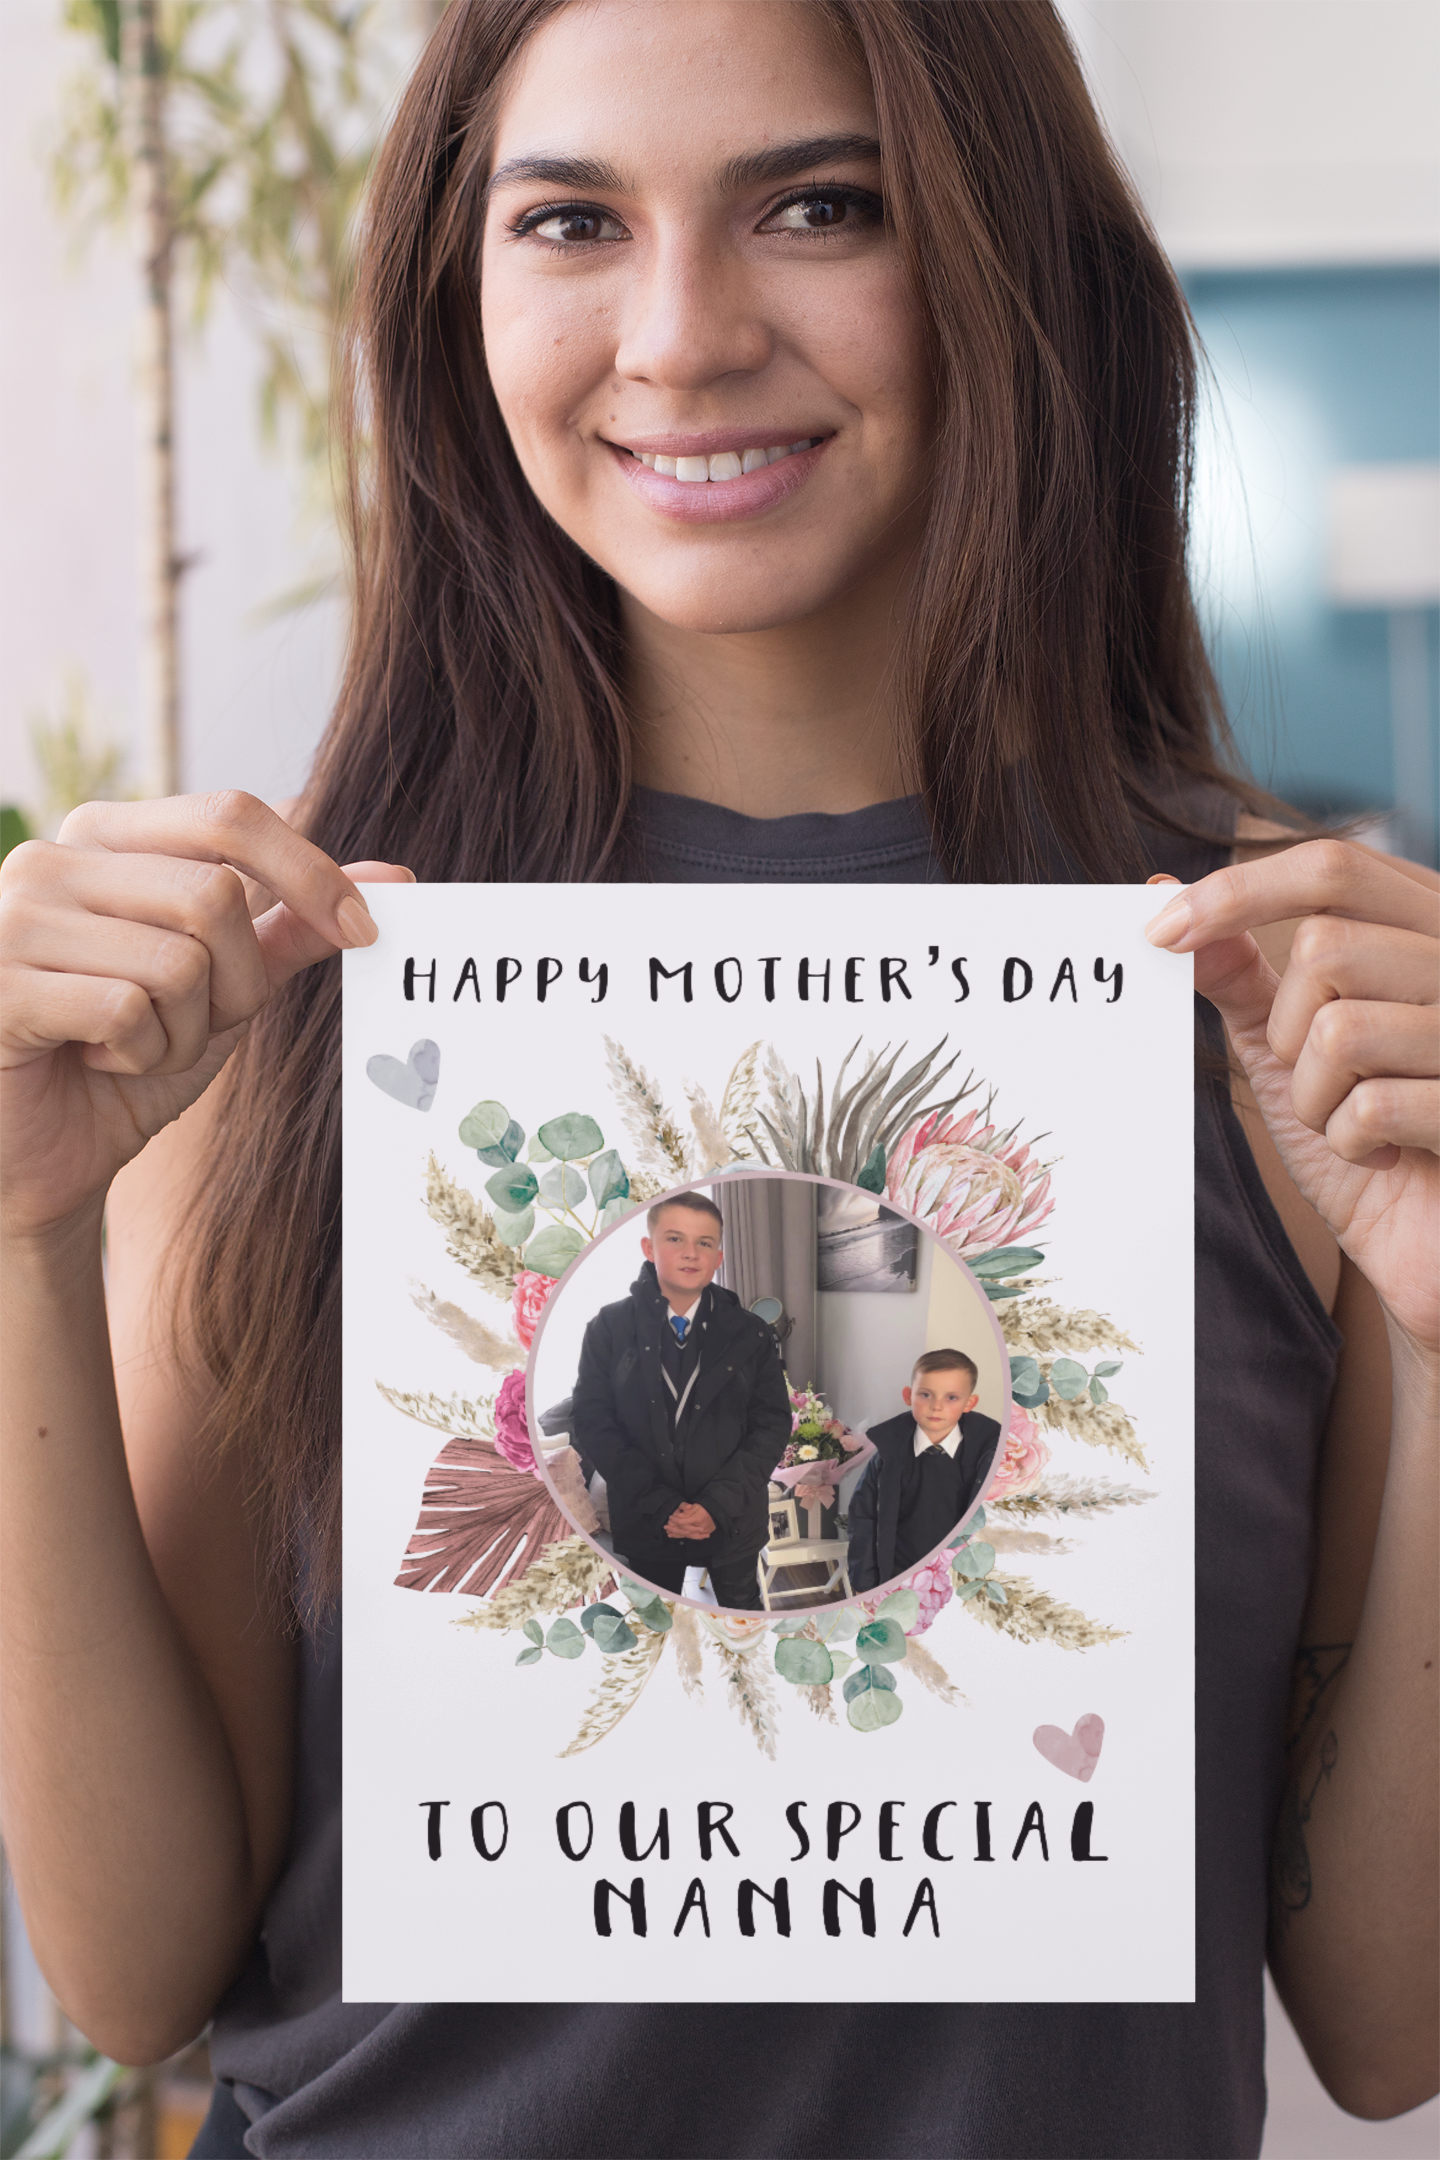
(868,1340)
(1273,131)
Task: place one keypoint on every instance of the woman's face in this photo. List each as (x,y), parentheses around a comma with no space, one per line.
(697,325)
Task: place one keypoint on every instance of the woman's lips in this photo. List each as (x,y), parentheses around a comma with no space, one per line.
(715,502)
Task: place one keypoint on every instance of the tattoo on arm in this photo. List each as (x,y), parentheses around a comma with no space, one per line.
(1317,1666)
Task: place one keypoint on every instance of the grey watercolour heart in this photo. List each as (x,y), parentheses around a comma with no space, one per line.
(415,1081)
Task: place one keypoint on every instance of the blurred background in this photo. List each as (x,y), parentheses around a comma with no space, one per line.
(172,594)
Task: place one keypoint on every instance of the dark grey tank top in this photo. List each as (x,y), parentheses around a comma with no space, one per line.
(337,2081)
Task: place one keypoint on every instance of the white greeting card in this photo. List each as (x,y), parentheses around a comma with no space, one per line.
(852,1613)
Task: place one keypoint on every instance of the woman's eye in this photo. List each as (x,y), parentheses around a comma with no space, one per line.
(824,212)
(574,228)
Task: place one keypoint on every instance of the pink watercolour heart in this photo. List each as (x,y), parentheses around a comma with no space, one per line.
(1075,1753)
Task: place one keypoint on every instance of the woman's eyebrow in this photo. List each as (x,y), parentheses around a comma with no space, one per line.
(565,172)
(754,169)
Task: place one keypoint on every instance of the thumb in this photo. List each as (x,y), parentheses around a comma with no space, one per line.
(288,943)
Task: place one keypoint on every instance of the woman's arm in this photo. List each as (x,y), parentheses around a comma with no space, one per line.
(1342,1059)
(148,1687)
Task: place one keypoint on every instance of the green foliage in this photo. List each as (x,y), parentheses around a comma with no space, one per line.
(1068,1378)
(881,1642)
(974,1560)
(530,1656)
(902,1606)
(871,1700)
(552,1249)
(534,1630)
(565,1639)
(574,1137)
(608,1180)
(1005,1261)
(514,1229)
(872,1174)
(562,1187)
(1027,1385)
(805,1663)
(650,1608)
(608,1628)
(513,1188)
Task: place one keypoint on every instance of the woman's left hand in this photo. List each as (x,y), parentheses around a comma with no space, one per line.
(1343,1051)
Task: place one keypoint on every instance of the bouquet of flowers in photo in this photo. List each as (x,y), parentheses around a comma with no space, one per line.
(816,1435)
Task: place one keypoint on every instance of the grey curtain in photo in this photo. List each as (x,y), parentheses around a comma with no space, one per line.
(770,1252)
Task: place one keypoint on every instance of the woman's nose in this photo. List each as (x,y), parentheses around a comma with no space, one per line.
(692,318)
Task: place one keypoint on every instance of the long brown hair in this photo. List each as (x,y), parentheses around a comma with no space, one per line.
(1052,660)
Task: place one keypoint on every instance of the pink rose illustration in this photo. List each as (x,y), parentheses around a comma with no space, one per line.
(512,1430)
(1022,1465)
(528,1303)
(932,1584)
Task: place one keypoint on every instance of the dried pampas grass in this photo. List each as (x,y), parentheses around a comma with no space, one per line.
(569,1572)
(1105,1425)
(659,1143)
(500,1352)
(1035,1327)
(1064,1496)
(625,1676)
(453,1414)
(1033,1616)
(470,1234)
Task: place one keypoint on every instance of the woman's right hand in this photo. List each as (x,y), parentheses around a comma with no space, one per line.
(130,968)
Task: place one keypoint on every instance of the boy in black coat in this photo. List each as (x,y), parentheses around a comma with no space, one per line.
(928,1470)
(682,1406)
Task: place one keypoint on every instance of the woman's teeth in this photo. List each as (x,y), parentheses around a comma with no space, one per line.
(725,465)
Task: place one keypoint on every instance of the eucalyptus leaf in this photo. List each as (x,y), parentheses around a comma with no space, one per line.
(656,1616)
(534,1630)
(1110,1365)
(538,1152)
(486,1125)
(565,1639)
(616,1210)
(1005,1260)
(612,1634)
(1024,1375)
(530,1656)
(996,1593)
(976,1559)
(573,1136)
(995,1291)
(969,1590)
(608,1180)
(803,1662)
(1068,1378)
(867,1678)
(871,1713)
(1099,1392)
(506,1149)
(901,1605)
(562,1187)
(841,1625)
(552,1249)
(842,1662)
(882,1642)
(593,1613)
(514,1229)
(872,1176)
(513,1188)
(1033,1402)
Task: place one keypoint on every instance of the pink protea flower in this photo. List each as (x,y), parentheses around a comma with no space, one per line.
(1022,1465)
(528,1302)
(977,1187)
(512,1429)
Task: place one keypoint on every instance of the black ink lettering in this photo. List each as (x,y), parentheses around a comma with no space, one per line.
(853,993)
(804,978)
(714,1814)
(684,971)
(836,1828)
(432,1826)
(1116,975)
(424,974)
(1034,1820)
(893,971)
(930,1836)
(1066,975)
(792,1815)
(694,1902)
(477,1829)
(834,1891)
(924,1901)
(507,971)
(628,1844)
(1080,1833)
(957,969)
(780,1902)
(770,961)
(720,979)
(562,1829)
(934,960)
(888,1828)
(982,1831)
(550,970)
(471,974)
(1012,995)
(600,976)
(604,1891)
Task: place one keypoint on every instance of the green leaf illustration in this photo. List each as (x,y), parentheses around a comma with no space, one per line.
(562,1187)
(656,1616)
(1068,1378)
(974,1560)
(616,1210)
(969,1590)
(594,1613)
(1099,1392)
(530,1656)
(486,1125)
(612,1634)
(996,1593)
(805,1663)
(565,1639)
(1033,1402)
(552,1249)
(608,1180)
(996,1291)
(901,1605)
(514,1229)
(1109,1365)
(573,1136)
(537,1151)
(1006,1260)
(842,1662)
(881,1643)
(1024,1375)
(513,1188)
(872,1177)
(874,1702)
(868,1677)
(534,1630)
(841,1625)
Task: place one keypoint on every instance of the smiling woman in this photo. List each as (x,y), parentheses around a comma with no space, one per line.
(773,428)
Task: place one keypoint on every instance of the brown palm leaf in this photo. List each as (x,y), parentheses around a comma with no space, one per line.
(480,1520)
(871,1112)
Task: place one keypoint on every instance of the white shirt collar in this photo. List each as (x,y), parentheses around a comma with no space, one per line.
(949,1443)
(683,1312)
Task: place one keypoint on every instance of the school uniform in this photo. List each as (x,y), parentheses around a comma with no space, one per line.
(913,1492)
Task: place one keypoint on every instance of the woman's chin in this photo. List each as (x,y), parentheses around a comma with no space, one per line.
(722,601)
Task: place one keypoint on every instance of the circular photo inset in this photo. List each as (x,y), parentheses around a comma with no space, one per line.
(768,1393)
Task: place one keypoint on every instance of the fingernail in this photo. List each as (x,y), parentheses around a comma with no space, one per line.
(409,874)
(1171,924)
(357,924)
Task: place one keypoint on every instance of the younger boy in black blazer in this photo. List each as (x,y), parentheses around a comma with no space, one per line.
(928,1469)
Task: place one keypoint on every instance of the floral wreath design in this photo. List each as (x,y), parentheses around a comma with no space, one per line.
(488,1525)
